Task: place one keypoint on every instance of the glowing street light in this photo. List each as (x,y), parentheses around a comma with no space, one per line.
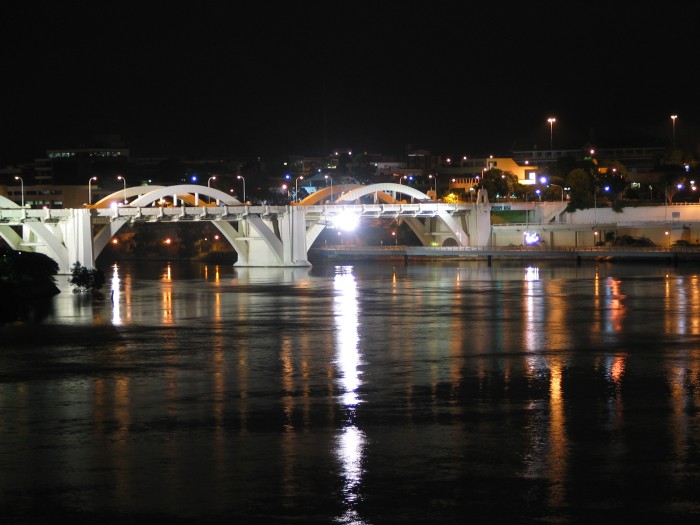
(544,180)
(285,188)
(562,190)
(213,177)
(21,181)
(328,177)
(551,121)
(434,177)
(673,125)
(296,187)
(595,203)
(240,177)
(90,189)
(119,177)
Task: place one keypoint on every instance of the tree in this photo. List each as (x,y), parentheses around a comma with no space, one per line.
(86,279)
(581,190)
(498,183)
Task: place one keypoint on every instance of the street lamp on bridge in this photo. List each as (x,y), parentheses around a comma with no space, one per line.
(240,177)
(296,187)
(119,177)
(213,177)
(328,177)
(434,177)
(21,182)
(90,189)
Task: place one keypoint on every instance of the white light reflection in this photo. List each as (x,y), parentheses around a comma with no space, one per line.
(351,441)
(532,274)
(116,312)
(534,309)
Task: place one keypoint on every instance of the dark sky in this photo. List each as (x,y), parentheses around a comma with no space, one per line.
(228,80)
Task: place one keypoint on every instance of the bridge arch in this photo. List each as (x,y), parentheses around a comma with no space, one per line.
(320,196)
(385,192)
(185,193)
(145,195)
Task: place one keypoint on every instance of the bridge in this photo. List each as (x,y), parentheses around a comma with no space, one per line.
(261,235)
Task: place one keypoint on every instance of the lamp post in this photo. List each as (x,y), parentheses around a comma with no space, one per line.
(240,177)
(551,121)
(328,177)
(544,180)
(285,188)
(296,188)
(434,177)
(562,190)
(595,203)
(90,189)
(21,182)
(673,125)
(119,177)
(213,177)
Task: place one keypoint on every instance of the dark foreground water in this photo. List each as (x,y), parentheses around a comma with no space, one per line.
(359,394)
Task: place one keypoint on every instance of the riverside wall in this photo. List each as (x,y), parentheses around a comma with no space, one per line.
(663,225)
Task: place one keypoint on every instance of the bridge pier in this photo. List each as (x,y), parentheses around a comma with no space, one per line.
(272,241)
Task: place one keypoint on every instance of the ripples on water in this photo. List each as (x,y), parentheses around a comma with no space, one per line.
(364,393)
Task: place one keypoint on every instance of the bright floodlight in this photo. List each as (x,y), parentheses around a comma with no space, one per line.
(531,238)
(346,221)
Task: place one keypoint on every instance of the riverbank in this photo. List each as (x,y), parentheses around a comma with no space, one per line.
(602,253)
(26,282)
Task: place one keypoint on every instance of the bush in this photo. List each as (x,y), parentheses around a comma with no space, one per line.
(86,279)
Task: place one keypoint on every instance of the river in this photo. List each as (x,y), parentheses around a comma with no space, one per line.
(364,393)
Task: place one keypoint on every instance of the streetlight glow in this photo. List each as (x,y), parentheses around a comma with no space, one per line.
(90,189)
(21,181)
(119,177)
(296,187)
(673,125)
(240,177)
(544,180)
(434,177)
(328,177)
(213,177)
(551,121)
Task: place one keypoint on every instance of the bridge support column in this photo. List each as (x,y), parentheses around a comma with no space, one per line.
(275,242)
(78,239)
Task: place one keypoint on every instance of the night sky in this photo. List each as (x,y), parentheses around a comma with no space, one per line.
(208,79)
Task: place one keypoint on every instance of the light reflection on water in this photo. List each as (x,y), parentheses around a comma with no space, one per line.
(347,393)
(351,439)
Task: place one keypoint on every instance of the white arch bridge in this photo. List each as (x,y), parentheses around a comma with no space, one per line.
(262,236)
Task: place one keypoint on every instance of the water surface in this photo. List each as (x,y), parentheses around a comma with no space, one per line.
(364,394)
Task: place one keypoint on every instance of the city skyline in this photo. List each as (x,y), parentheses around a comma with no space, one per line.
(206,82)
